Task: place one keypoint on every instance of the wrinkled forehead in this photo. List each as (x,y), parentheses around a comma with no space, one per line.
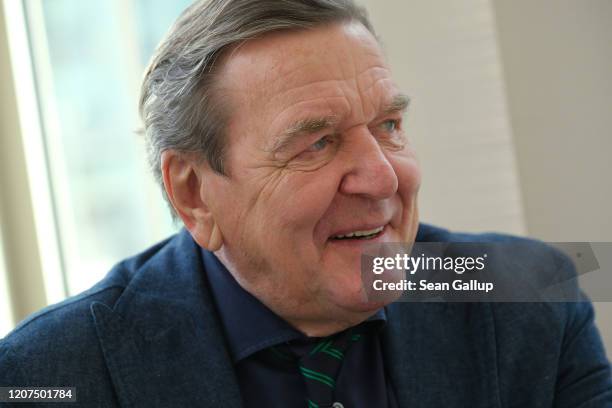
(283,67)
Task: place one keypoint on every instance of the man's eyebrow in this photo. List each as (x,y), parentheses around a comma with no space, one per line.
(399,103)
(302,127)
(308,126)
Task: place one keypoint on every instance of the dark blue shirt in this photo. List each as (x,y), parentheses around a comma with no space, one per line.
(252,329)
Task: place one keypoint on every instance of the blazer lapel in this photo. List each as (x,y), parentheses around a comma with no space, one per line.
(442,354)
(162,342)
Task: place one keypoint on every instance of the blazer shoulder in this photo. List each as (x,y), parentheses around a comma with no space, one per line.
(59,344)
(55,345)
(533,261)
(558,340)
(433,233)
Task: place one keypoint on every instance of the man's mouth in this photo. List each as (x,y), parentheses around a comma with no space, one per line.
(360,234)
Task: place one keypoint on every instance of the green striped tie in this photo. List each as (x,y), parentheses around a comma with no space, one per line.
(320,367)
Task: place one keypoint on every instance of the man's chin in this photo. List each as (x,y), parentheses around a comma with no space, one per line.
(354,292)
(359,303)
(368,307)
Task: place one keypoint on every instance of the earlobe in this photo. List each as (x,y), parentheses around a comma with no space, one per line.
(207,234)
(216,238)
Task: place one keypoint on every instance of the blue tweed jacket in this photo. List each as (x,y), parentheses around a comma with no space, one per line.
(148,335)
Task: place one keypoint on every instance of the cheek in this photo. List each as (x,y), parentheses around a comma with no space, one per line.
(408,174)
(306,196)
(409,181)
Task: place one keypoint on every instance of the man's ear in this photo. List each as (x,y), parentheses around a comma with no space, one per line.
(185,181)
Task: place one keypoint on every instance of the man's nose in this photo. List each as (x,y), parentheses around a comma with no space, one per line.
(369,172)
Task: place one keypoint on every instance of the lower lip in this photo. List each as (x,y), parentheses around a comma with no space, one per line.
(361,241)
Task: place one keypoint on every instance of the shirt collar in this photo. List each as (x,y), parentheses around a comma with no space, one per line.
(249,325)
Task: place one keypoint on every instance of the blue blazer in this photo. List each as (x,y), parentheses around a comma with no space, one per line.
(148,335)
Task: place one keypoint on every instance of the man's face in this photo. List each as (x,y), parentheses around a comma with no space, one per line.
(316,151)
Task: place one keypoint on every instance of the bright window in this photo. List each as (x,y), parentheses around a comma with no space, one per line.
(88,59)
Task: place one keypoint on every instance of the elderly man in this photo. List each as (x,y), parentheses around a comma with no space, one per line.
(275,128)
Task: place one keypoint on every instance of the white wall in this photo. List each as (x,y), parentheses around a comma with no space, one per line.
(557,57)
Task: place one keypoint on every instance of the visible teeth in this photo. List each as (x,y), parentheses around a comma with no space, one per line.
(360,233)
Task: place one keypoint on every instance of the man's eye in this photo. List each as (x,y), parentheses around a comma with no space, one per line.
(319,144)
(390,125)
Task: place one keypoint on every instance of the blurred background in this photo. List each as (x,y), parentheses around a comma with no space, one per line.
(511,115)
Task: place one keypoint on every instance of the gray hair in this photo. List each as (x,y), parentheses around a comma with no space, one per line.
(177,103)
